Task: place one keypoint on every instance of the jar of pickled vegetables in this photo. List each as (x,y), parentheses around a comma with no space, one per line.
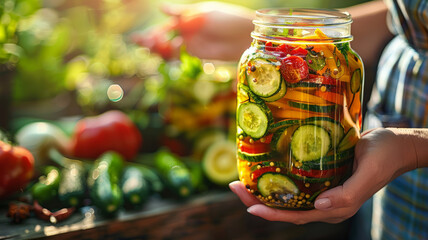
(299,94)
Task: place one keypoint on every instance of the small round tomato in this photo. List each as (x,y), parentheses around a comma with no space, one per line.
(294,69)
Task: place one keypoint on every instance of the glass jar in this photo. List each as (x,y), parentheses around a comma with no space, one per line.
(299,94)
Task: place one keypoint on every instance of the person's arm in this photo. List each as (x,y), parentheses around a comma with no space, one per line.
(214,30)
(380,156)
(370,30)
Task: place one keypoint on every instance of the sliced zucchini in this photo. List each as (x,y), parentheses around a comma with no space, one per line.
(257,157)
(263,77)
(310,179)
(313,107)
(219,162)
(331,161)
(254,119)
(278,95)
(334,128)
(276,183)
(310,142)
(284,123)
(282,137)
(356,81)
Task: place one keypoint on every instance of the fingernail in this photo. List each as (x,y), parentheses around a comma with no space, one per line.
(322,203)
(250,210)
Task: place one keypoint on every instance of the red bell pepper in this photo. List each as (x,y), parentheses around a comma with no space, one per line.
(110,131)
(16,168)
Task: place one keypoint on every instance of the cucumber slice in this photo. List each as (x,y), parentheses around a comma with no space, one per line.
(331,161)
(278,95)
(276,183)
(219,162)
(282,137)
(310,142)
(310,179)
(263,77)
(284,123)
(258,157)
(312,107)
(356,81)
(334,128)
(254,119)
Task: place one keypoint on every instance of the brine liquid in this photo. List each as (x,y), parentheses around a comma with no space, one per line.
(328,97)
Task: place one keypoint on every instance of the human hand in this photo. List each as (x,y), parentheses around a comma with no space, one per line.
(208,30)
(380,156)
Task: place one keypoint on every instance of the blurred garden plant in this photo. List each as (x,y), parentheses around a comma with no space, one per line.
(12,12)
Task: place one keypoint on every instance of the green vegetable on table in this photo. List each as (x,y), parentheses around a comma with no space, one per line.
(103,181)
(176,174)
(46,189)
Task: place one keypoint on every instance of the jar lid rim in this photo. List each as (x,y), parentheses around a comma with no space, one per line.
(283,16)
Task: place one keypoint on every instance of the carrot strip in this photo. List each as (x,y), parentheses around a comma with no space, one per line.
(330,96)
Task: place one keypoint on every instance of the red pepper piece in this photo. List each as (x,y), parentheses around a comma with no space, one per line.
(110,131)
(17,168)
(298,51)
(257,173)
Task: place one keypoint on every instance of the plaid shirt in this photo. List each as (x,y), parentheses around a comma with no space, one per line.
(400,98)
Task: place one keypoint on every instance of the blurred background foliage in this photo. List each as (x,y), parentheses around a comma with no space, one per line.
(59,47)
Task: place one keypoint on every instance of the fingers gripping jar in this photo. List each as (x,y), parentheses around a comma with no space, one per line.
(299,98)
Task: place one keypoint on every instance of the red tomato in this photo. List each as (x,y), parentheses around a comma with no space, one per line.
(294,69)
(17,168)
(257,173)
(110,131)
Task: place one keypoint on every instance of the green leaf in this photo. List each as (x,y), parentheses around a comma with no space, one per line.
(190,66)
(344,49)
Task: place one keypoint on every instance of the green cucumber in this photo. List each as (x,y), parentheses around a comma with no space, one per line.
(356,81)
(313,107)
(254,119)
(205,139)
(103,181)
(263,77)
(219,162)
(284,123)
(310,179)
(333,127)
(134,187)
(331,161)
(278,95)
(45,190)
(281,139)
(258,157)
(72,187)
(304,84)
(310,142)
(270,184)
(175,173)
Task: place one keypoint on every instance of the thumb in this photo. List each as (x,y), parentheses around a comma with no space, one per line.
(333,198)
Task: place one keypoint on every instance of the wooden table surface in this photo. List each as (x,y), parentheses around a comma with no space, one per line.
(216,215)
